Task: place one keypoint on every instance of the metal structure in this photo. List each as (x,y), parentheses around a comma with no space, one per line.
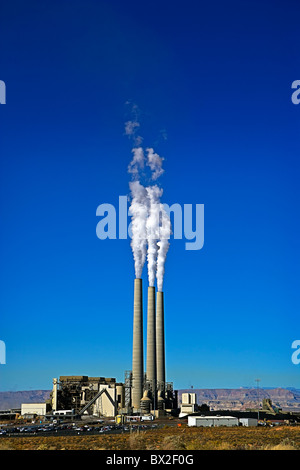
(95,397)
(128,385)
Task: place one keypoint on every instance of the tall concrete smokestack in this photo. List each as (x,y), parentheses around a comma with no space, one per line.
(137,348)
(160,341)
(151,340)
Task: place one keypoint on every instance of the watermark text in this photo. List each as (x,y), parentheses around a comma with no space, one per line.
(2,92)
(188,222)
(2,352)
(296,94)
(296,353)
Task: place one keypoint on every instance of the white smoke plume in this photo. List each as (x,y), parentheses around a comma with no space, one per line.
(150,224)
(139,214)
(165,233)
(132,125)
(154,161)
(137,163)
(154,193)
(130,130)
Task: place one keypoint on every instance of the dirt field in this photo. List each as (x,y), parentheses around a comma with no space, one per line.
(168,438)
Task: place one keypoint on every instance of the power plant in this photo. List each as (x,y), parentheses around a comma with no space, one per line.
(142,393)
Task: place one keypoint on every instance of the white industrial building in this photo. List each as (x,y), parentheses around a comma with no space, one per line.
(248,421)
(188,404)
(33,409)
(210,421)
(106,404)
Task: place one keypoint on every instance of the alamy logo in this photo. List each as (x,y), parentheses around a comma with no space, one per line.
(2,352)
(2,92)
(185,225)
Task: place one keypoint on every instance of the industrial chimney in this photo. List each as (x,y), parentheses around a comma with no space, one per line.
(160,342)
(137,348)
(151,340)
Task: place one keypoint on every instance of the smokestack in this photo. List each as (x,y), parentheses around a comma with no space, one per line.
(151,340)
(160,341)
(137,349)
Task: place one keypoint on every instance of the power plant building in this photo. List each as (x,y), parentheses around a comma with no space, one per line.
(143,392)
(33,409)
(188,404)
(97,396)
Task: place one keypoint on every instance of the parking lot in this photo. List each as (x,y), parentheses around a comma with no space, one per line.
(71,428)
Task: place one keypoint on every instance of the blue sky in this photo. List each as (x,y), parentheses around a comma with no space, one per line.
(216,80)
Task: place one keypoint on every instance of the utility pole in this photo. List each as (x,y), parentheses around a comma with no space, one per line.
(257,384)
(155,396)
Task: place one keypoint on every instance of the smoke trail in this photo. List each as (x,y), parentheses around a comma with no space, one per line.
(139,204)
(139,214)
(132,125)
(152,226)
(154,161)
(159,224)
(137,163)
(165,232)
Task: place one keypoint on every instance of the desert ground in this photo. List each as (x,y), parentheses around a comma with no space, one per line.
(167,438)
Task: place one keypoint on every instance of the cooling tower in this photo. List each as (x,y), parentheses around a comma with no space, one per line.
(137,348)
(160,342)
(151,340)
